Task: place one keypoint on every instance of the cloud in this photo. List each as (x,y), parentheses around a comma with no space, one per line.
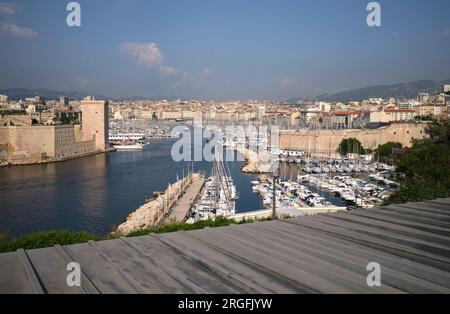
(446,33)
(8,8)
(168,70)
(10,28)
(206,72)
(288,82)
(149,55)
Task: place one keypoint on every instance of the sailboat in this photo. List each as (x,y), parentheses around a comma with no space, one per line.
(219,194)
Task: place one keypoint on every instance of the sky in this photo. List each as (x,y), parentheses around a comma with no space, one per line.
(221,49)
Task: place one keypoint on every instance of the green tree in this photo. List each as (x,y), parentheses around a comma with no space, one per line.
(423,171)
(439,131)
(385,151)
(351,146)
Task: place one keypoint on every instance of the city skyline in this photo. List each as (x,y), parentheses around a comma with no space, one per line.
(232,50)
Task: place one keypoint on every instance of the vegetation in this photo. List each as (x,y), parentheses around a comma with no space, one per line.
(385,152)
(426,118)
(52,238)
(12,112)
(68,119)
(424,170)
(45,239)
(218,222)
(351,146)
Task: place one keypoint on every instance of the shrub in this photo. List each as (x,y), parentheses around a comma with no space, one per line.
(45,239)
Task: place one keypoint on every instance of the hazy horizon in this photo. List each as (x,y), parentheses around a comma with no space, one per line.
(261,50)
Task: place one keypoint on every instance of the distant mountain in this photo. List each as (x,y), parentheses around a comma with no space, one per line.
(401,90)
(21,93)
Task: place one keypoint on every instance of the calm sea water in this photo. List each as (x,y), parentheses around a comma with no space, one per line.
(96,193)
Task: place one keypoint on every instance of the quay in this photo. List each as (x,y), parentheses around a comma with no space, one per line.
(185,203)
(174,203)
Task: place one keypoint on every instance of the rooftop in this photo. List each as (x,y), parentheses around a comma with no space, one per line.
(400,110)
(318,254)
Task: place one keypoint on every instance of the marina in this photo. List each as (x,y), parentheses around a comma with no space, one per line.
(97,193)
(218,196)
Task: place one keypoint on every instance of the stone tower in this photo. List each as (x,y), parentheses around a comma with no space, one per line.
(95,119)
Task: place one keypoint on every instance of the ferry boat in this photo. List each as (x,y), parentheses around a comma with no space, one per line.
(129,147)
(128,142)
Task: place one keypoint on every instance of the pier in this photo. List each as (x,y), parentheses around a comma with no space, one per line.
(184,204)
(172,204)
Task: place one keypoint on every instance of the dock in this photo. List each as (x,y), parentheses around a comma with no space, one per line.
(174,203)
(184,204)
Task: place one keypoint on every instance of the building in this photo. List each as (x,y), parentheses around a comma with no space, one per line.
(23,142)
(401,114)
(309,115)
(447,88)
(409,105)
(95,122)
(431,110)
(423,97)
(36,99)
(64,101)
(4,98)
(260,112)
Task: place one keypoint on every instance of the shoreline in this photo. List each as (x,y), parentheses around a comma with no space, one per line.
(53,161)
(253,163)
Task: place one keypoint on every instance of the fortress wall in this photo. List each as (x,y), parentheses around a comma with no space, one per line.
(30,141)
(4,135)
(326,141)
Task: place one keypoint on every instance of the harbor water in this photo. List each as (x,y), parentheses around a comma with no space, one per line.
(97,193)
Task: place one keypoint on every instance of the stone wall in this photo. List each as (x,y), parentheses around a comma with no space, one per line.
(67,145)
(328,141)
(28,144)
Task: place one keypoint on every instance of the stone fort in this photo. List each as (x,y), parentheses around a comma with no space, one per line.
(23,143)
(328,141)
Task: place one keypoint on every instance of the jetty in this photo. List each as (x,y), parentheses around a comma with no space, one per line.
(171,205)
(183,206)
(255,163)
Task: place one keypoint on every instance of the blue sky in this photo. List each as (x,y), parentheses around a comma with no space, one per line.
(221,49)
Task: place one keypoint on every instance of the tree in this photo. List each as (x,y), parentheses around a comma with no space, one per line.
(154,116)
(351,146)
(439,131)
(385,151)
(423,171)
